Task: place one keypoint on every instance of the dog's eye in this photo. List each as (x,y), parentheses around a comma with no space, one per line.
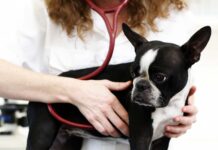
(159,77)
(134,72)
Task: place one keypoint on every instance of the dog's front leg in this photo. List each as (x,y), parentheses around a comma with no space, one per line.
(43,128)
(140,126)
(66,141)
(161,144)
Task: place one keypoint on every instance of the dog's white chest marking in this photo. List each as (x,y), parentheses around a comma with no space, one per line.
(164,116)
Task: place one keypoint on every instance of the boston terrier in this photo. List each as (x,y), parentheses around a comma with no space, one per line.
(161,82)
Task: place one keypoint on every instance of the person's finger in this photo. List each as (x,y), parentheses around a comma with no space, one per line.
(191,95)
(100,122)
(117,122)
(181,129)
(190,110)
(120,110)
(97,125)
(184,120)
(171,135)
(192,90)
(116,86)
(107,125)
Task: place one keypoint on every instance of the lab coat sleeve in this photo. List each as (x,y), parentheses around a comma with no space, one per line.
(31,35)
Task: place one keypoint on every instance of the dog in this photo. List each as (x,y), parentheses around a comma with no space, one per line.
(161,82)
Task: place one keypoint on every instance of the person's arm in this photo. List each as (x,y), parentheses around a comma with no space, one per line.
(19,83)
(92,97)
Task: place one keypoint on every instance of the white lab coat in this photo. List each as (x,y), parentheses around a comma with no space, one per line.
(45,47)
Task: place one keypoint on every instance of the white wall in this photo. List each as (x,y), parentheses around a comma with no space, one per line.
(204,134)
(204,7)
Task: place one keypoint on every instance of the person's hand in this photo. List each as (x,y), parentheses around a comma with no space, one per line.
(185,122)
(101,108)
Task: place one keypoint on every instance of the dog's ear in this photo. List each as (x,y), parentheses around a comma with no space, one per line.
(132,36)
(195,45)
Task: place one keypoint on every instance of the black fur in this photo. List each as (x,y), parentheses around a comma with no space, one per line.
(172,60)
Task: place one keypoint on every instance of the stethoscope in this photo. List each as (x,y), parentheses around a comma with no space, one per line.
(112,30)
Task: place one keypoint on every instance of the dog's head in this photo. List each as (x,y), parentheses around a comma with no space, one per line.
(160,69)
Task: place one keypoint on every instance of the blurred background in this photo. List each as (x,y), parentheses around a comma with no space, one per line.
(204,133)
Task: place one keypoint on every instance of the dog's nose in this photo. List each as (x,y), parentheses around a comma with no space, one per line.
(142,85)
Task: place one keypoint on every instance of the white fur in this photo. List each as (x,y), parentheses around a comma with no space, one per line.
(147,59)
(163,116)
(145,63)
(153,96)
(86,135)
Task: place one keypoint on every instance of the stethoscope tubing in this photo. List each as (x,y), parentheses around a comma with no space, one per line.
(112,30)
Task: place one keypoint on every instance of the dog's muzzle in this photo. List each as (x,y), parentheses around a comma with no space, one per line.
(146,94)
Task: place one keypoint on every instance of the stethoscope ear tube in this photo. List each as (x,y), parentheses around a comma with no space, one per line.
(112,30)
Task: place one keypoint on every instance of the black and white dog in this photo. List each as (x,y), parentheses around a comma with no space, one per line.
(161,82)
